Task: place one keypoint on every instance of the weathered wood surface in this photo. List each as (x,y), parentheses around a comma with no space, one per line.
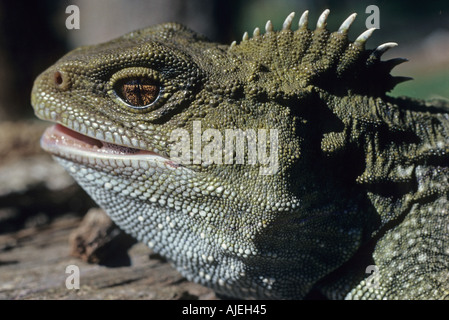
(33,265)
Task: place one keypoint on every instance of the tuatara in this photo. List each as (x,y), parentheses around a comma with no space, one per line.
(344,195)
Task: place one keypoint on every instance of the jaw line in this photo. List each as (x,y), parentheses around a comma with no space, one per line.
(62,145)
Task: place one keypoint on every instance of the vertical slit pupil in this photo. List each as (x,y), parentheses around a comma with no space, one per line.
(139,92)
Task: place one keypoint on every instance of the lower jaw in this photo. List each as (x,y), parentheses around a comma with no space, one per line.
(57,138)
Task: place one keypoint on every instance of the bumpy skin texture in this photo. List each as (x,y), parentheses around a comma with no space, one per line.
(363,178)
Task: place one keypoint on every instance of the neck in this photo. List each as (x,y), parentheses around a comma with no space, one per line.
(399,153)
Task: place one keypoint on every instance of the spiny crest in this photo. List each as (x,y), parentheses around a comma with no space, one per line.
(320,57)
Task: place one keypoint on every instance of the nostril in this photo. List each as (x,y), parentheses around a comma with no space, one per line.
(58,78)
(61,80)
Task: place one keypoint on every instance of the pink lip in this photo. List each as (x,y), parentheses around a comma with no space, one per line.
(58,136)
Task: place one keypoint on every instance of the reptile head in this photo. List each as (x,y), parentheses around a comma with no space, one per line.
(212,154)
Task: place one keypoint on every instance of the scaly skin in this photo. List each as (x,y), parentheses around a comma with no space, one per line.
(362,178)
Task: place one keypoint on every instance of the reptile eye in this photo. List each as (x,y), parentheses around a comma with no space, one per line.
(139,93)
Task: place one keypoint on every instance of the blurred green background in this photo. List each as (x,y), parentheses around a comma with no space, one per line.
(33,34)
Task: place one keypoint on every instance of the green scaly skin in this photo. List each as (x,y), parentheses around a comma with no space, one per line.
(363,178)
